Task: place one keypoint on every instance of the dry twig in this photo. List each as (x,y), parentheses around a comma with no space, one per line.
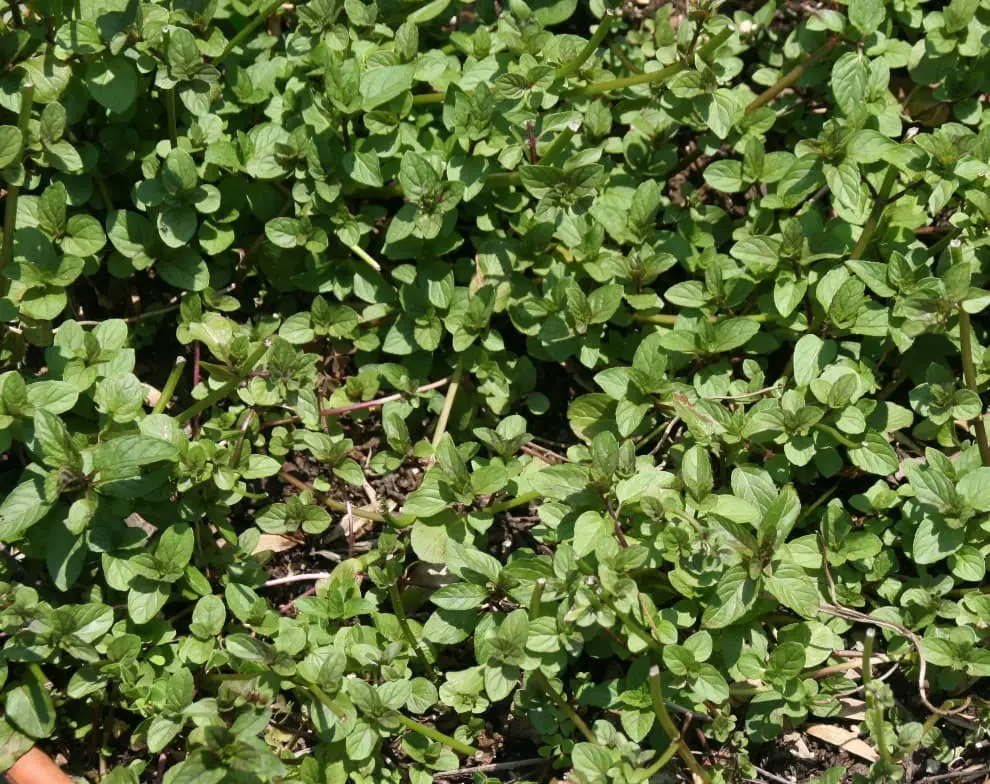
(849,614)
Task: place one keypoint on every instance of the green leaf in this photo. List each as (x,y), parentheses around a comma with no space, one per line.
(591,760)
(113,83)
(786,662)
(177,225)
(696,471)
(866,15)
(974,488)
(849,81)
(720,112)
(182,53)
(29,708)
(604,302)
(22,508)
(185,269)
(79,36)
(794,588)
(131,234)
(363,168)
(52,210)
(589,529)
(559,481)
(380,85)
(13,745)
(10,144)
(459,596)
(161,732)
(733,333)
(178,173)
(145,599)
(968,564)
(875,456)
(725,176)
(64,157)
(49,76)
(934,540)
(958,14)
(55,440)
(734,596)
(122,455)
(83,236)
(283,232)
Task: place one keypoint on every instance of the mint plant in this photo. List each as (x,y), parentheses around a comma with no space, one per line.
(391,390)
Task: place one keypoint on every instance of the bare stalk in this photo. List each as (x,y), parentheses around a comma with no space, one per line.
(448,405)
(667,724)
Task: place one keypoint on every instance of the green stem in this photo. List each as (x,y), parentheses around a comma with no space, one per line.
(512,503)
(173,127)
(104,192)
(169,389)
(791,77)
(871,702)
(15,13)
(941,245)
(874,218)
(621,57)
(747,691)
(448,405)
(362,254)
(241,432)
(611,85)
(930,722)
(496,180)
(249,28)
(557,146)
(969,374)
(38,674)
(536,597)
(667,724)
(818,502)
(503,180)
(428,98)
(846,442)
(323,697)
(432,734)
(574,65)
(648,773)
(866,666)
(400,613)
(669,319)
(564,705)
(13,191)
(899,377)
(226,389)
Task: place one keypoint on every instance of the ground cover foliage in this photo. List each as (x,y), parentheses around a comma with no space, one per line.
(661,340)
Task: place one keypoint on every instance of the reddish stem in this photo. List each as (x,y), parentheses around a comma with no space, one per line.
(288,605)
(533,158)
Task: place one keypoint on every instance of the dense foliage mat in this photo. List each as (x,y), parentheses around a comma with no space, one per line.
(555,391)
